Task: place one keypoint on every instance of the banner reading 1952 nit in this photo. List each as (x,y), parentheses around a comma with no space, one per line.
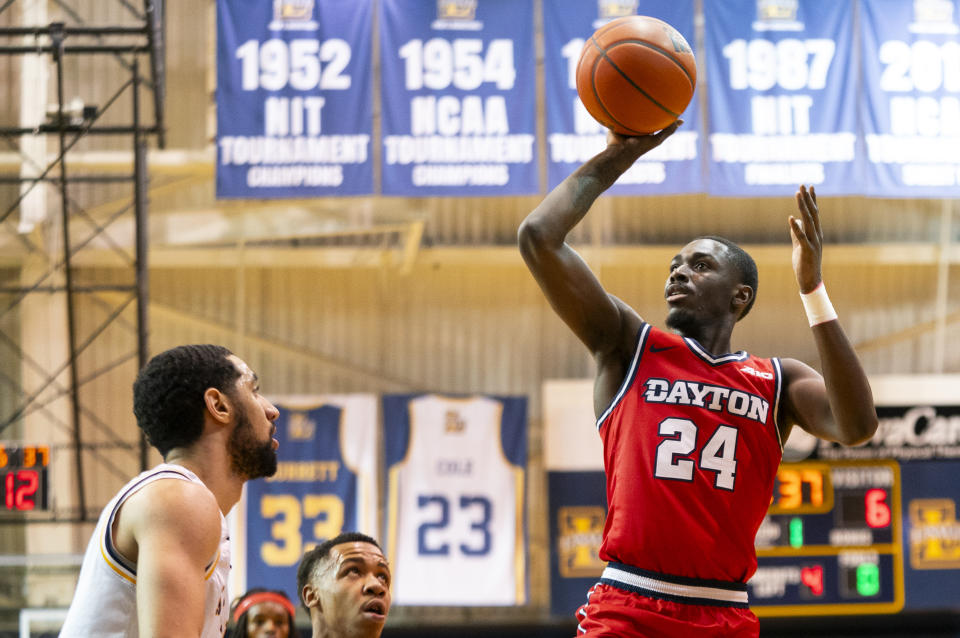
(294,98)
(782,97)
(458,91)
(573,136)
(910,104)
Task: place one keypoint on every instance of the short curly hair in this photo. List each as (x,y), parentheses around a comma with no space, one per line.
(310,560)
(744,264)
(168,392)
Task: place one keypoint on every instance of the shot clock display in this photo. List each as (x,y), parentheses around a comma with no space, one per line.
(23,477)
(831,541)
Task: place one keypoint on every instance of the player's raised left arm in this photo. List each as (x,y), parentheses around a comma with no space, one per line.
(837,405)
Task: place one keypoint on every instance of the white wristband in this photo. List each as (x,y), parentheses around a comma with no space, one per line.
(817,305)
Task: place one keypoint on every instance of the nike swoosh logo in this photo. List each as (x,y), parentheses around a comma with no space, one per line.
(654,348)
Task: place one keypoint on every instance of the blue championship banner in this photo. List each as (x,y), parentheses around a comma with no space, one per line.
(326,482)
(294,105)
(782,95)
(910,105)
(459,96)
(573,136)
(455,508)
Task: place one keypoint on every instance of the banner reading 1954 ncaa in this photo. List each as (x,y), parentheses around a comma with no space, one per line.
(911,102)
(782,96)
(458,89)
(294,106)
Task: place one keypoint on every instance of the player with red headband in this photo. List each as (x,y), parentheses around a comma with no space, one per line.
(262,613)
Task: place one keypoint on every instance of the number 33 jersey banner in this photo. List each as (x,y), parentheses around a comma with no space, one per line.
(294,98)
(326,482)
(455,510)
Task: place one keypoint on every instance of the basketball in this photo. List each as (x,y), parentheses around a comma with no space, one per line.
(636,75)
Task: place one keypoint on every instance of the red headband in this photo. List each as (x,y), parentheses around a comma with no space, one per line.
(263,597)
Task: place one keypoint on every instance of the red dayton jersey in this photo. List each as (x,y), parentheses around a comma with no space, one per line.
(690,449)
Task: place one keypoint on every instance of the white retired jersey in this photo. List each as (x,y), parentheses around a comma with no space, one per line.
(105,602)
(455,527)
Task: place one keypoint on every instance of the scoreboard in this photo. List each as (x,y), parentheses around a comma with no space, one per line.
(831,542)
(23,477)
(841,537)
(871,530)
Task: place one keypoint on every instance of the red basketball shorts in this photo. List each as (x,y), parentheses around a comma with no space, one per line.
(615,612)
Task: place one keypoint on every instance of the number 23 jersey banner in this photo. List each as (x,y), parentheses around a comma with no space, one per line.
(325,483)
(455,510)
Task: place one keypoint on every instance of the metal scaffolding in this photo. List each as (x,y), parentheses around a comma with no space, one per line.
(122,51)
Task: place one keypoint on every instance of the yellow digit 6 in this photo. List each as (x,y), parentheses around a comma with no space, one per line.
(286,530)
(331,524)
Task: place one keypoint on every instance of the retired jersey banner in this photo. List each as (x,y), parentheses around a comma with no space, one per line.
(911,97)
(294,106)
(326,483)
(573,136)
(456,531)
(782,97)
(459,97)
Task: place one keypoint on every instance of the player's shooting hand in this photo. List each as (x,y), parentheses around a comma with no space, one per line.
(807,238)
(640,144)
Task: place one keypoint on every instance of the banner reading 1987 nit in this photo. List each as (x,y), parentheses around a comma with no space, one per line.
(294,105)
(573,136)
(782,97)
(458,92)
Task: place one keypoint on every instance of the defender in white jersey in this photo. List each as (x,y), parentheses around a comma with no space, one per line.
(107,589)
(158,561)
(455,532)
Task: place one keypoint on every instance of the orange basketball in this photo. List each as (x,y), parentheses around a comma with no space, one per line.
(636,75)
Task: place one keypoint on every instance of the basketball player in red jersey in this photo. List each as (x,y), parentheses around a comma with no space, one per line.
(692,433)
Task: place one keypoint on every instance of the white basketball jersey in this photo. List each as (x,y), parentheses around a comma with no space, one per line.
(455,532)
(105,602)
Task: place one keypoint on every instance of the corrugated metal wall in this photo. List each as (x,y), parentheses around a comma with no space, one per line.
(486,328)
